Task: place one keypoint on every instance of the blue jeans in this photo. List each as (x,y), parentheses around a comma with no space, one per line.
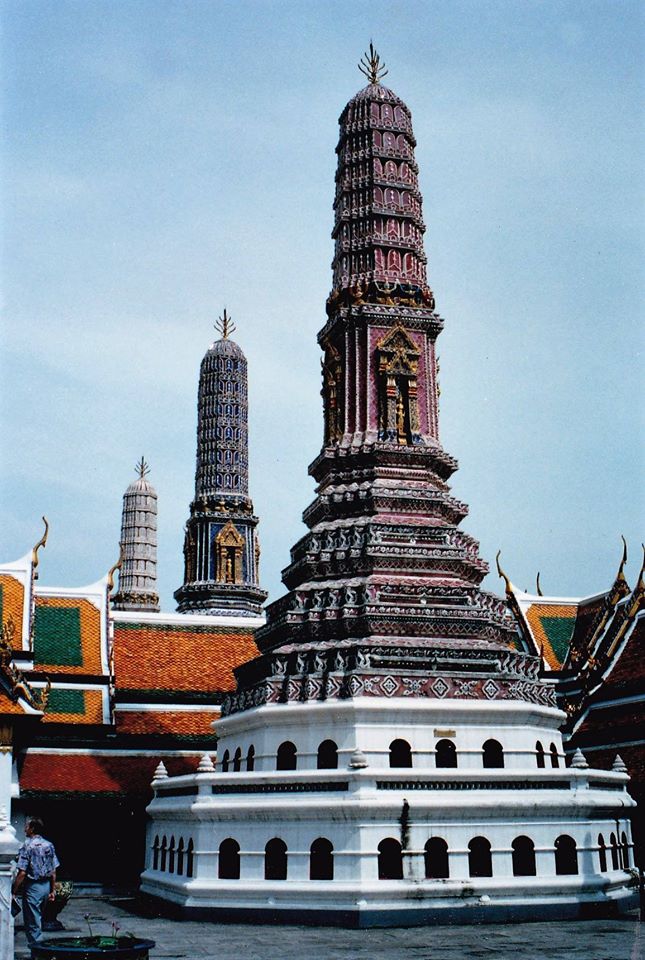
(34,894)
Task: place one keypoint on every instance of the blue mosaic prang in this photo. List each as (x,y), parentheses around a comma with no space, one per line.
(221,550)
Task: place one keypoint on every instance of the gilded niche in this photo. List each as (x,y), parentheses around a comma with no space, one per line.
(398,365)
(332,393)
(229,544)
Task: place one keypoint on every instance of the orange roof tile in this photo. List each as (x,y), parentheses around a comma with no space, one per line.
(67,635)
(9,706)
(93,773)
(74,706)
(156,657)
(12,602)
(180,723)
(552,626)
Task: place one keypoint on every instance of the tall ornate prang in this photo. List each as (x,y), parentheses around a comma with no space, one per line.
(221,547)
(385,753)
(138,571)
(384,557)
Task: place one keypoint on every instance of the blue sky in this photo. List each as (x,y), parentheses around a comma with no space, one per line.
(164,159)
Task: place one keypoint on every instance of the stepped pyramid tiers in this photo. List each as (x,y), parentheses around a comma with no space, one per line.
(138,571)
(384,559)
(221,547)
(382,761)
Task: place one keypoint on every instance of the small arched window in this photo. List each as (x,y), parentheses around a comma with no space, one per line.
(250,759)
(287,756)
(566,856)
(539,754)
(436,859)
(171,856)
(389,140)
(321,860)
(390,860)
(445,754)
(226,759)
(378,196)
(480,862)
(228,866)
(615,862)
(190,858)
(555,759)
(602,854)
(493,754)
(275,860)
(155,853)
(625,850)
(327,756)
(237,760)
(400,754)
(378,168)
(164,853)
(180,857)
(523,857)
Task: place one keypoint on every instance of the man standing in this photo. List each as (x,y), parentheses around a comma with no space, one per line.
(37,862)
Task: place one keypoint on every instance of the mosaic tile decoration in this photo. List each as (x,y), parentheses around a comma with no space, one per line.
(67,636)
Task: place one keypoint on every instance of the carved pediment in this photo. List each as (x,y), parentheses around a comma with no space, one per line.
(398,353)
(229,536)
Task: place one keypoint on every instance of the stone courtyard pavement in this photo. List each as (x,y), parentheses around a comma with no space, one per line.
(189,940)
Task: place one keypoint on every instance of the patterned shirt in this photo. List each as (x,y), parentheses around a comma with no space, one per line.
(37,858)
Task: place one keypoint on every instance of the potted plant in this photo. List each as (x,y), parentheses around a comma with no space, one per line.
(114,947)
(63,891)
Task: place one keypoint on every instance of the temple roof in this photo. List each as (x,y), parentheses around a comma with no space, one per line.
(63,773)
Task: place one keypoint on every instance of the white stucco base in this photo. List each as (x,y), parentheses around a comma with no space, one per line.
(365,801)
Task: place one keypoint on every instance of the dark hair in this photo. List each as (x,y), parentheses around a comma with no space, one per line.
(36,824)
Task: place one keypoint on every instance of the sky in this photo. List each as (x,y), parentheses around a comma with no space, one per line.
(165,159)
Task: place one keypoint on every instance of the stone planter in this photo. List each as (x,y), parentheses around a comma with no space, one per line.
(93,948)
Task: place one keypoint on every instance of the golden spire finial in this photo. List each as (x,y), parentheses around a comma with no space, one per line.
(41,543)
(507,583)
(371,66)
(142,468)
(224,325)
(537,585)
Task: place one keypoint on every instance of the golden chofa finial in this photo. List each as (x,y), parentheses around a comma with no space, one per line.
(371,66)
(41,543)
(621,569)
(537,585)
(507,583)
(142,469)
(113,570)
(224,325)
